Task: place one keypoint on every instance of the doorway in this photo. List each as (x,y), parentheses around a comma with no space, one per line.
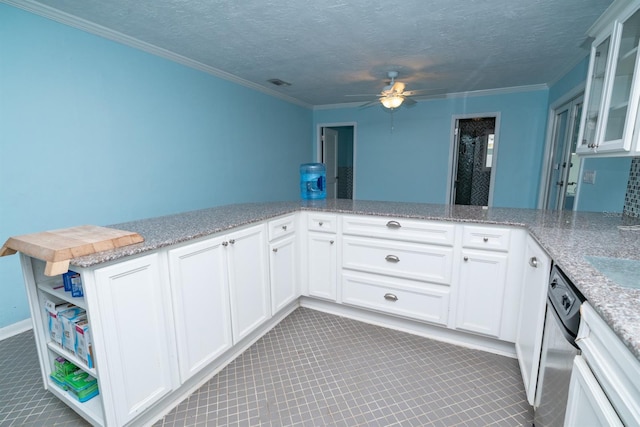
(473,159)
(336,149)
(564,165)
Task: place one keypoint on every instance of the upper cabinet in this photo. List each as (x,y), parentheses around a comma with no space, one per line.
(609,124)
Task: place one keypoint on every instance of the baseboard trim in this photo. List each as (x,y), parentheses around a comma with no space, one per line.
(15,329)
(438,333)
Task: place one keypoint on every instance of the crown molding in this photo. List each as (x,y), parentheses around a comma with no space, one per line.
(483,92)
(104,32)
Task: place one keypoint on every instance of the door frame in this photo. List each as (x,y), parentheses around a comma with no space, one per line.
(453,154)
(548,146)
(318,146)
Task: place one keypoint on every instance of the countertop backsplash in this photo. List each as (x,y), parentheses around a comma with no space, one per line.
(632,198)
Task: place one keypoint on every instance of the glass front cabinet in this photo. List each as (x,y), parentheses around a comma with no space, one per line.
(610,123)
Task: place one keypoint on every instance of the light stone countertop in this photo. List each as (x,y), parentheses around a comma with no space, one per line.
(568,237)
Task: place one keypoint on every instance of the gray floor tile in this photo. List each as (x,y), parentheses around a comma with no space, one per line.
(313,369)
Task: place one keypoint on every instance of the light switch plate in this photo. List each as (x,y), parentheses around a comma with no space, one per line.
(589,177)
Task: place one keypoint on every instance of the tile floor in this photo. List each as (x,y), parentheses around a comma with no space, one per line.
(313,369)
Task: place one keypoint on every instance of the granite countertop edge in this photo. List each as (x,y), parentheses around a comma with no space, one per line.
(566,236)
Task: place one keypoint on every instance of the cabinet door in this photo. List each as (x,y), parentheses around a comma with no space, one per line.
(322,265)
(590,121)
(200,303)
(135,334)
(481,290)
(587,405)
(283,272)
(248,280)
(531,315)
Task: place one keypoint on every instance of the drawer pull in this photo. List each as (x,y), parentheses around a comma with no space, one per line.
(232,241)
(390,297)
(466,258)
(485,239)
(331,242)
(320,224)
(284,227)
(393,224)
(275,249)
(533,262)
(225,243)
(392,258)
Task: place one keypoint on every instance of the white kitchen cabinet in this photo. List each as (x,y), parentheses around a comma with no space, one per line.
(615,368)
(481,288)
(283,263)
(587,405)
(249,290)
(322,260)
(531,314)
(613,89)
(134,337)
(200,292)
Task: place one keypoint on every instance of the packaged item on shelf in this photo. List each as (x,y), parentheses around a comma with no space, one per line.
(58,379)
(84,345)
(82,386)
(63,366)
(69,318)
(76,286)
(66,279)
(54,310)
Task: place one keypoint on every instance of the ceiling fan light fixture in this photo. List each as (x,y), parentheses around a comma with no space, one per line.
(392,101)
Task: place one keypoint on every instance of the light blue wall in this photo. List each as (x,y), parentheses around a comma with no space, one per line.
(576,76)
(607,194)
(406,157)
(94,132)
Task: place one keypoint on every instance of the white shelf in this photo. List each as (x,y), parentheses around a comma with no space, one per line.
(54,347)
(55,287)
(91,410)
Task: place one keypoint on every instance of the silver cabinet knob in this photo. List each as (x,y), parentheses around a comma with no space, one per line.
(232,241)
(275,249)
(533,262)
(284,227)
(320,224)
(392,258)
(225,243)
(485,239)
(390,297)
(331,242)
(466,258)
(393,224)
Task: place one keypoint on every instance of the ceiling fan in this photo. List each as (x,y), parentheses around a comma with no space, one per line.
(393,95)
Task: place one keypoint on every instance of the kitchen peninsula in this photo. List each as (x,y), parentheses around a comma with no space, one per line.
(170,241)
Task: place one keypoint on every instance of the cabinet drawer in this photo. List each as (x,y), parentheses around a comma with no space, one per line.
(400,229)
(401,259)
(416,300)
(614,366)
(496,239)
(282,227)
(322,222)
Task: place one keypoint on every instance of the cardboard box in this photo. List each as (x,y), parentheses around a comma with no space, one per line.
(84,344)
(53,311)
(76,286)
(66,280)
(69,318)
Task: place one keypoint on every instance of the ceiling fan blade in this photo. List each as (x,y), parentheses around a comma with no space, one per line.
(422,91)
(398,87)
(408,101)
(364,94)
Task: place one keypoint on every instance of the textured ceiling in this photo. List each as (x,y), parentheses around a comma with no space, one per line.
(331,48)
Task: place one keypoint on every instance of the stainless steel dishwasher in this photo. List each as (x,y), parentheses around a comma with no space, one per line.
(558,350)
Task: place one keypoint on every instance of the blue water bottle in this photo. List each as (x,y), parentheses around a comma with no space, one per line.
(312,181)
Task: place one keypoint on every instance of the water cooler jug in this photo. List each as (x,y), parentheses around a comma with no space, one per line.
(312,181)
